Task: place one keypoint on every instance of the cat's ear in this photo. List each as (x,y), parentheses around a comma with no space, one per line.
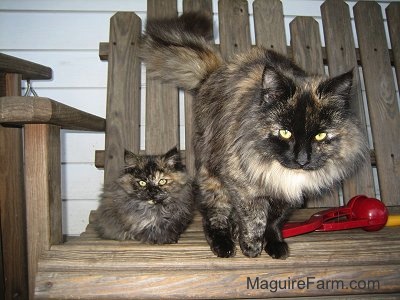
(173,158)
(337,86)
(276,86)
(130,158)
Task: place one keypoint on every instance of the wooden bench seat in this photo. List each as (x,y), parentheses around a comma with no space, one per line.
(107,269)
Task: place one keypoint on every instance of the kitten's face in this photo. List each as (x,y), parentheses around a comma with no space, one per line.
(152,178)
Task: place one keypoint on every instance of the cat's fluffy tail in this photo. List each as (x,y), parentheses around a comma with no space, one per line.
(179,49)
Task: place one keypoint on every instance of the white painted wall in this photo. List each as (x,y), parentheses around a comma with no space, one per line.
(65,35)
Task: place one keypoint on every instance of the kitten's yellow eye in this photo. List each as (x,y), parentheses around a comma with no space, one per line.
(142,183)
(162,182)
(286,134)
(320,136)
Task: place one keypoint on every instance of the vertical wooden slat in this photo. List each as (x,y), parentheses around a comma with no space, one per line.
(234,27)
(306,44)
(341,55)
(269,25)
(393,20)
(206,8)
(162,105)
(123,92)
(42,185)
(307,53)
(381,97)
(12,202)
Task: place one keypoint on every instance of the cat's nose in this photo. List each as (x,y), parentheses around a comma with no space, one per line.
(302,158)
(160,197)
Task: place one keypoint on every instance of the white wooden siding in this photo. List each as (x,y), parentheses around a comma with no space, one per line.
(65,35)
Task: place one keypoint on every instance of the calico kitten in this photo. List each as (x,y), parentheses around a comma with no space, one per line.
(267,134)
(151,201)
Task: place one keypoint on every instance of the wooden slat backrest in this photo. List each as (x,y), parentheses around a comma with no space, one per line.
(234,27)
(306,44)
(381,97)
(162,104)
(162,111)
(269,25)
(123,92)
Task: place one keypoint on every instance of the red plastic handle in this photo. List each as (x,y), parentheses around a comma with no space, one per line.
(361,212)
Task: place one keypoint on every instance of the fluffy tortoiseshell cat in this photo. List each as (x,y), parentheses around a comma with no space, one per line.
(267,134)
(151,201)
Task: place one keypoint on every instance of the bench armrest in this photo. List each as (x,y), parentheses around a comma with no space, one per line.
(17,110)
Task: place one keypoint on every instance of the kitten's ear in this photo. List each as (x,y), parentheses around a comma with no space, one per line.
(276,86)
(130,158)
(173,158)
(340,85)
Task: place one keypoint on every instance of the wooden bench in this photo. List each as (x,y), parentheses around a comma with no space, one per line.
(320,264)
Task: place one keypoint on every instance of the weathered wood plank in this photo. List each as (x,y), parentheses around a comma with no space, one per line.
(306,44)
(193,271)
(43,192)
(234,27)
(123,92)
(162,105)
(208,283)
(206,8)
(28,70)
(39,110)
(12,203)
(269,25)
(381,97)
(342,58)
(393,20)
(307,53)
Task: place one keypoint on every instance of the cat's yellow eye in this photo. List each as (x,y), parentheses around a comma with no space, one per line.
(320,136)
(285,134)
(162,181)
(142,183)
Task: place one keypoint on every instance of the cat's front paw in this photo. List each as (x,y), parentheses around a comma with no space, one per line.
(277,249)
(223,247)
(252,249)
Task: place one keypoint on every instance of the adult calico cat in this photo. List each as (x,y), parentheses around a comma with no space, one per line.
(266,132)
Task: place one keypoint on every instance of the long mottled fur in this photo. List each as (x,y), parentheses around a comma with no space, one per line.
(257,120)
(152,213)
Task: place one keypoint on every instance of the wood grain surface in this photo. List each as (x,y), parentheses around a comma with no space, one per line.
(381,97)
(43,192)
(20,110)
(12,202)
(123,93)
(28,70)
(269,25)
